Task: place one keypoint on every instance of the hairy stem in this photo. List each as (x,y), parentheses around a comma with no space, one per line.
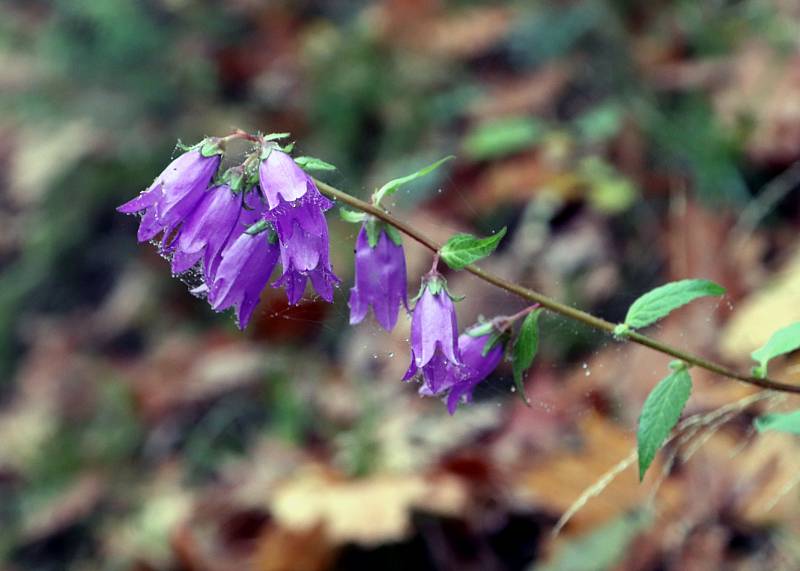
(553,305)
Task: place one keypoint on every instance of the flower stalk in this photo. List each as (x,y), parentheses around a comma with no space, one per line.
(551,304)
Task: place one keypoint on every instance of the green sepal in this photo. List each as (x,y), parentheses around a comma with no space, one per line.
(422,287)
(211,146)
(257,228)
(313,164)
(488,328)
(234,177)
(436,284)
(374,229)
(452,296)
(352,216)
(275,136)
(287,148)
(272,235)
(481,329)
(495,337)
(266,150)
(394,234)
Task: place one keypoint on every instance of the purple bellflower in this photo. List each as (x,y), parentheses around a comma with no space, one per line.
(243,272)
(175,193)
(206,231)
(380,276)
(296,209)
(477,365)
(434,332)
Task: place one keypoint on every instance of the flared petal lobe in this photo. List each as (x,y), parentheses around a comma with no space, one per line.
(173,196)
(434,332)
(477,367)
(296,209)
(281,179)
(434,326)
(380,280)
(243,272)
(207,230)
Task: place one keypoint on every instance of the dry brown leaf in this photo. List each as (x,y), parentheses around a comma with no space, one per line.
(369,512)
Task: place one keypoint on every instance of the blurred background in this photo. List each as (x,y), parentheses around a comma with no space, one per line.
(624,144)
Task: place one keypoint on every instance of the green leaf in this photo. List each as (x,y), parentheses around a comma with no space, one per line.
(782,341)
(525,348)
(352,216)
(313,164)
(503,137)
(463,249)
(660,414)
(780,422)
(393,185)
(659,302)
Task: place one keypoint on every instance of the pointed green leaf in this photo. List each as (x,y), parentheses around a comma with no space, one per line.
(782,341)
(660,414)
(780,422)
(659,302)
(393,185)
(525,348)
(313,164)
(463,249)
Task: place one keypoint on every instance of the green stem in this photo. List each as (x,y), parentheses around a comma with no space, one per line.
(552,304)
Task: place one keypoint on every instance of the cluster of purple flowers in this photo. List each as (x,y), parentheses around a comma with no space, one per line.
(237,226)
(233,228)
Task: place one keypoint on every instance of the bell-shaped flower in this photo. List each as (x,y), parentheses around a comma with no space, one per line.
(380,277)
(296,208)
(175,193)
(244,269)
(206,230)
(434,332)
(478,363)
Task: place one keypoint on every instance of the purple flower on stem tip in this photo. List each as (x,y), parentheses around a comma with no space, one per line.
(206,230)
(174,194)
(246,265)
(296,208)
(434,331)
(380,279)
(477,366)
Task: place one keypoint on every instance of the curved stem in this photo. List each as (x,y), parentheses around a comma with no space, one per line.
(553,305)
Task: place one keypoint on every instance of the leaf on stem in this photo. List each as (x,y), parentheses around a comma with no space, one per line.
(393,185)
(525,348)
(660,414)
(782,341)
(661,301)
(780,422)
(464,249)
